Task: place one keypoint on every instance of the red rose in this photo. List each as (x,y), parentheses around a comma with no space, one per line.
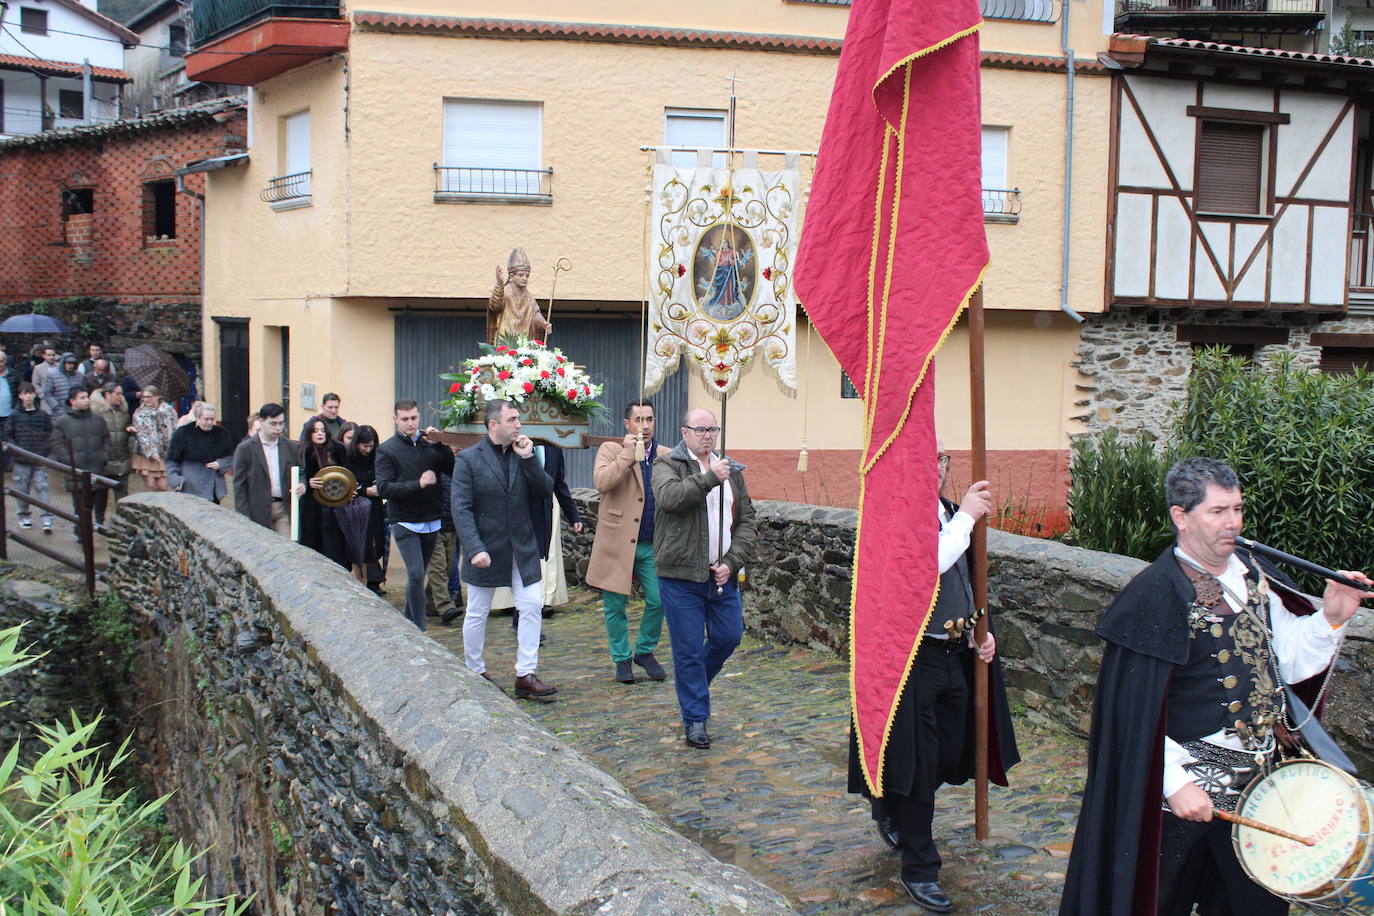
(501,349)
(527,361)
(537,343)
(562,358)
(503,375)
(560,371)
(768,273)
(455,387)
(543,373)
(572,394)
(681,270)
(528,386)
(586,389)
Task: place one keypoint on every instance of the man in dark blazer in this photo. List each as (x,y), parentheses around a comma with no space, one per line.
(262,472)
(493,483)
(554,588)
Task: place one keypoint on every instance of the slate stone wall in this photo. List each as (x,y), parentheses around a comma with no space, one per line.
(1045,598)
(340,761)
(1135,369)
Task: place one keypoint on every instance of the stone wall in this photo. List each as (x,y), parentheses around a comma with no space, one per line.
(1135,369)
(1045,598)
(78,670)
(341,761)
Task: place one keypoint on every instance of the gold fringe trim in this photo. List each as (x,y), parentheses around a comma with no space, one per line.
(906,61)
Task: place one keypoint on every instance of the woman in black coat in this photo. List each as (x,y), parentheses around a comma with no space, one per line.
(357,528)
(317,452)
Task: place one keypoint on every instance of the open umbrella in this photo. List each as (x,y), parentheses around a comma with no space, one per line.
(32,323)
(150,366)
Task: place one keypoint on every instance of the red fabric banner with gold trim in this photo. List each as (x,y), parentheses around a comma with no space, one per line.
(891,249)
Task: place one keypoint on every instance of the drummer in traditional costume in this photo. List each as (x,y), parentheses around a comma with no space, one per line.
(512,311)
(1190,708)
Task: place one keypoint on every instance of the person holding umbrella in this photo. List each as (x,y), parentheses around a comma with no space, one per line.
(153,423)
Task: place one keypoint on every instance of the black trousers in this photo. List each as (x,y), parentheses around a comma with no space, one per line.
(939,695)
(1198,865)
(100,498)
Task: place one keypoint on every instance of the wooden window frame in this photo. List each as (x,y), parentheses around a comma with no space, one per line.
(37,23)
(1261,128)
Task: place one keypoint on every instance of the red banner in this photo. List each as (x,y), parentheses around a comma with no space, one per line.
(891,250)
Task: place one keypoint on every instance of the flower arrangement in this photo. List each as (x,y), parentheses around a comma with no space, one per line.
(519,372)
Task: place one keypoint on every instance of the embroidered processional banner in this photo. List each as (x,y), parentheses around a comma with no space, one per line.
(722,242)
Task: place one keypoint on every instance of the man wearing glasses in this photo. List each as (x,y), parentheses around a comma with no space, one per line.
(703,535)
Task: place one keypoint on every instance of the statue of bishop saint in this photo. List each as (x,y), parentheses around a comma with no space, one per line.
(512,311)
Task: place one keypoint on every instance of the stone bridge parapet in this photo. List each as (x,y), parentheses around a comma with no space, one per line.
(337,760)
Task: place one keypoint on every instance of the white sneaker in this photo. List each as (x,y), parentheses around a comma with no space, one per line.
(26,523)
(47,527)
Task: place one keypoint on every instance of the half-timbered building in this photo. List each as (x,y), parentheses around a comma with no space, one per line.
(1237,216)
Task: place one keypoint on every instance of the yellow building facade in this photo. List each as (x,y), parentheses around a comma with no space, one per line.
(343,287)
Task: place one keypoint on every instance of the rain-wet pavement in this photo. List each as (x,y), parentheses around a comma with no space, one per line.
(769,795)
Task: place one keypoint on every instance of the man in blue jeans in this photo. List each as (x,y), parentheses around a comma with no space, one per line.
(408,469)
(703,534)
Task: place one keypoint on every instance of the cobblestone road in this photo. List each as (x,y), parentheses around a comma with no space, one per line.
(769,794)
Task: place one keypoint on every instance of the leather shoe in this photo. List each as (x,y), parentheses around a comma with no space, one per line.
(927,894)
(491,680)
(528,686)
(624,672)
(888,831)
(451,615)
(651,666)
(696,735)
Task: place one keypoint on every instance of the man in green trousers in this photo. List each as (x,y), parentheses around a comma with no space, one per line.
(623,549)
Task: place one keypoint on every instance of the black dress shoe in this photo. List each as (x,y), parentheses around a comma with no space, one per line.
(651,666)
(888,831)
(624,672)
(451,615)
(927,894)
(696,735)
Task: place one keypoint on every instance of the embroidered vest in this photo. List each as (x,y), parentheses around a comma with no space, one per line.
(1228,682)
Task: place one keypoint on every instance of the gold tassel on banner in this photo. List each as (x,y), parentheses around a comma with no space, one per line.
(801,461)
(639,446)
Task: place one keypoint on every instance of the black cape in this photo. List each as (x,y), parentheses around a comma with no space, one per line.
(1114,866)
(899,759)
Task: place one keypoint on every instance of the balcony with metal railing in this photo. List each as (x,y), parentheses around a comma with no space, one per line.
(1146,16)
(463,184)
(1001,205)
(288,191)
(248,41)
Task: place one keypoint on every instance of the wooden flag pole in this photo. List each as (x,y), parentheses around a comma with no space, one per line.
(978,428)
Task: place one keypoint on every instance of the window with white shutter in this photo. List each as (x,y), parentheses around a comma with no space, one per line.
(1001,204)
(296,152)
(493,149)
(694,128)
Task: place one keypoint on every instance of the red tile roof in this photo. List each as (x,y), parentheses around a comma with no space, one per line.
(61,68)
(1138,44)
(591,31)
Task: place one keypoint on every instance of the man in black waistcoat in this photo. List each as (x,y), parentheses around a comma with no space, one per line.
(932,736)
(1186,701)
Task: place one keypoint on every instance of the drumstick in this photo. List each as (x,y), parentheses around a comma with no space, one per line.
(1256,825)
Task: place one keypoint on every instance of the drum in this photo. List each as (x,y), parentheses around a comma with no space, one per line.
(1312,799)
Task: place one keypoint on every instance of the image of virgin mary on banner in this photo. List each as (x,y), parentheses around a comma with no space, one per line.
(720,266)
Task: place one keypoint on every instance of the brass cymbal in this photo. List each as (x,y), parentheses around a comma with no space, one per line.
(338,486)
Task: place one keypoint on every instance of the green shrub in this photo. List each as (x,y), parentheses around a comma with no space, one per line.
(1303,445)
(68,848)
(1116,495)
(1301,442)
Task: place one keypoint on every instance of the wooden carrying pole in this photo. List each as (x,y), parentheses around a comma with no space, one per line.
(978,429)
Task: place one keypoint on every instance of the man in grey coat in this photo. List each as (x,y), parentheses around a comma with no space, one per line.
(83,439)
(493,482)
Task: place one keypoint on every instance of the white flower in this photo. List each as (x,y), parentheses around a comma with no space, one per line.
(488,392)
